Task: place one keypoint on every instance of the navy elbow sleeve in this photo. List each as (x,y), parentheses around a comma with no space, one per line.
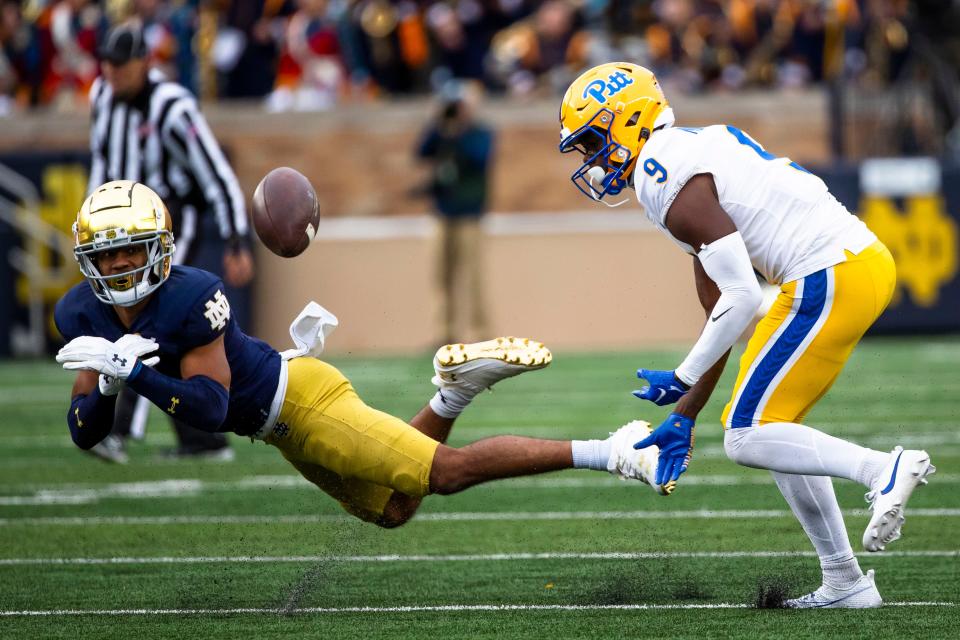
(199,401)
(90,418)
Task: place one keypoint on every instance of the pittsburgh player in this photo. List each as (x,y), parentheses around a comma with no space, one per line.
(739,210)
(167,333)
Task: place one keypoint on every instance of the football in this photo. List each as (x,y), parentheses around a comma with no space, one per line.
(285,212)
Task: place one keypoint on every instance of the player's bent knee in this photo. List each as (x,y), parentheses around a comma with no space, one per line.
(362,514)
(387,522)
(393,518)
(398,511)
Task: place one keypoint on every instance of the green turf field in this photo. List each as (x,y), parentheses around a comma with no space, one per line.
(246,549)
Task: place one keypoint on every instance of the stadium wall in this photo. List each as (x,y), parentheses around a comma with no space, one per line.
(361,158)
(597,281)
(590,290)
(590,279)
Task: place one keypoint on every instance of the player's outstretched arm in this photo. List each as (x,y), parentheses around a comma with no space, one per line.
(201,397)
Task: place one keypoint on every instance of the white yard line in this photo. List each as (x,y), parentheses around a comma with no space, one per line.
(596,480)
(867,433)
(942,444)
(16,395)
(479,557)
(922,428)
(468,516)
(134,490)
(190,488)
(412,609)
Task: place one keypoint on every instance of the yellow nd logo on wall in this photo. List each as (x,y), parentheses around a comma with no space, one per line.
(64,189)
(922,239)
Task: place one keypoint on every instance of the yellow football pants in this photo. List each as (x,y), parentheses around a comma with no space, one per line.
(799,348)
(356,454)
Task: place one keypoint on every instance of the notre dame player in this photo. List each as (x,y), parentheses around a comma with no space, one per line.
(167,333)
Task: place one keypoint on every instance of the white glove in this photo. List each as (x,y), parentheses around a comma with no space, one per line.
(114,360)
(111,386)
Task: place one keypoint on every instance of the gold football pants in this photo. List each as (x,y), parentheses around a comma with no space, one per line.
(799,348)
(356,454)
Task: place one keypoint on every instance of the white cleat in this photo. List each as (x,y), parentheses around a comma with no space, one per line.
(478,366)
(905,471)
(635,464)
(862,594)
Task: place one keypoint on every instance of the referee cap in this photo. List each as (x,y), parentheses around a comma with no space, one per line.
(123,43)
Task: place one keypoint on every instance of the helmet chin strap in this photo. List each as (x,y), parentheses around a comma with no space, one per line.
(596,177)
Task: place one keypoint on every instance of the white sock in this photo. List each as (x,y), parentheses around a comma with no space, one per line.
(815,505)
(798,449)
(870,467)
(591,454)
(450,403)
(841,573)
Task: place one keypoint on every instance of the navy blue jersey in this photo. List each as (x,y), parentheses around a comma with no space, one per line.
(187,311)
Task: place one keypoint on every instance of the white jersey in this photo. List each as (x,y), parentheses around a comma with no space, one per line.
(792,226)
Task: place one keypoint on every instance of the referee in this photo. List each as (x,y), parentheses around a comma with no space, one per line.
(150,130)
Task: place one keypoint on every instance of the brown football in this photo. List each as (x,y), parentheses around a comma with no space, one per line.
(285,212)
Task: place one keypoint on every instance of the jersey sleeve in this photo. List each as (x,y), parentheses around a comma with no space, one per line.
(665,165)
(69,314)
(208,316)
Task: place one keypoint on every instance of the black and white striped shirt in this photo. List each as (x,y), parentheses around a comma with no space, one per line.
(161,139)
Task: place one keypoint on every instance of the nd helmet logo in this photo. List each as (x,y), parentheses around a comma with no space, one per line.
(601,91)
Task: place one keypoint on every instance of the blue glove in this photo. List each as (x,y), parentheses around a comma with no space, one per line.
(675,439)
(664,388)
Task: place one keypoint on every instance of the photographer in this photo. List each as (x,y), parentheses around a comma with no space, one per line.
(459,149)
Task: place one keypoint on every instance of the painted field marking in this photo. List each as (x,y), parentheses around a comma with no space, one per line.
(938,433)
(470,557)
(464,516)
(921,428)
(190,488)
(412,609)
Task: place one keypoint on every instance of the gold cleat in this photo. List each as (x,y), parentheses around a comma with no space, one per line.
(519,351)
(480,365)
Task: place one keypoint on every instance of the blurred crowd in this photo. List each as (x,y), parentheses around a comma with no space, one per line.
(311,54)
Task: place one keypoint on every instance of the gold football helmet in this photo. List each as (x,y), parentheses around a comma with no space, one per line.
(119,214)
(607,115)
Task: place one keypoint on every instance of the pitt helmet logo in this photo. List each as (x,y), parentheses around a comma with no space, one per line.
(601,90)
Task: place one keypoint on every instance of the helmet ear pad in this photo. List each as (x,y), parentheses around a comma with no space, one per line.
(633,131)
(633,125)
